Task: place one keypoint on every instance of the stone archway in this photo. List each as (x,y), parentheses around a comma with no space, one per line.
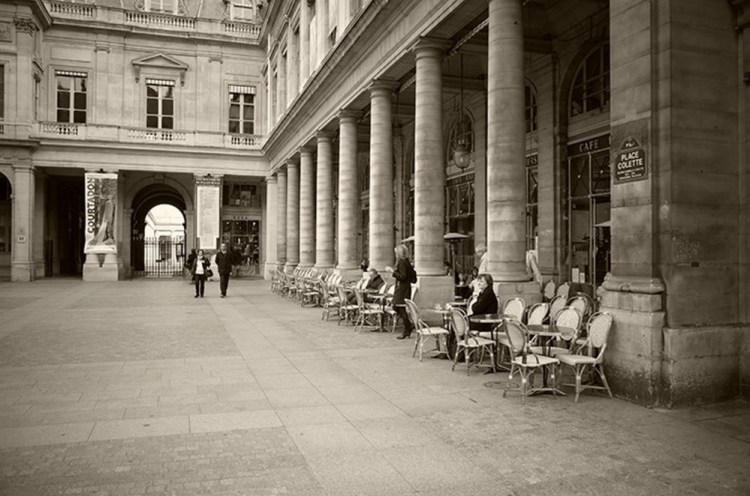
(143,201)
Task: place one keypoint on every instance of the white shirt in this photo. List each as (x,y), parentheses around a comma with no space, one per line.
(199,266)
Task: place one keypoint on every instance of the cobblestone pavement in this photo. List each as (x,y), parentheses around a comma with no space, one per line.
(137,388)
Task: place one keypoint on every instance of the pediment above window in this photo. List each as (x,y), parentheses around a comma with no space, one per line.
(160,61)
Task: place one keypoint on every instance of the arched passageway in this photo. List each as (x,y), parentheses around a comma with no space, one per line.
(6,220)
(158,232)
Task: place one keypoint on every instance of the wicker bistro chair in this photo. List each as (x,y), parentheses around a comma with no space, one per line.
(366,312)
(595,345)
(564,290)
(515,307)
(567,318)
(424,331)
(583,303)
(557,304)
(471,345)
(524,362)
(537,314)
(548,291)
(388,304)
(329,301)
(347,311)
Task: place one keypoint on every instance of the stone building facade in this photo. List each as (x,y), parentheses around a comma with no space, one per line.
(603,140)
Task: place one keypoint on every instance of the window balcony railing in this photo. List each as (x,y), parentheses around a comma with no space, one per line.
(125,134)
(87,10)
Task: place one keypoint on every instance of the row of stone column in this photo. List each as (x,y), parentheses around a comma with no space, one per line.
(305,227)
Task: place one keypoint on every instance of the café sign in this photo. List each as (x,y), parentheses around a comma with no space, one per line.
(630,162)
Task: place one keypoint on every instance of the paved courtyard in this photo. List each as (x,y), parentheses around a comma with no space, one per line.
(136,388)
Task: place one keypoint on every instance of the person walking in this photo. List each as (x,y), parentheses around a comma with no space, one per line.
(405,275)
(200,269)
(224,263)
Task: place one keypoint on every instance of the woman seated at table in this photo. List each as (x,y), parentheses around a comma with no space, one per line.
(484,302)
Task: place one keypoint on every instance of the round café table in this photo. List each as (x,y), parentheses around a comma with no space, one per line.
(547,334)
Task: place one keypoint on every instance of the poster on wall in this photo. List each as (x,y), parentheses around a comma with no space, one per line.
(101,201)
(208,216)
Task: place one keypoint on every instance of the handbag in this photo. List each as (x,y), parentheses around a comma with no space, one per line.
(209,273)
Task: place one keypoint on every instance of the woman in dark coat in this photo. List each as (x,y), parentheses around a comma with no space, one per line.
(199,269)
(404,275)
(485,302)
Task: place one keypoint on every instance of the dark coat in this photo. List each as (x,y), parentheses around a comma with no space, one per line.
(224,262)
(486,302)
(375,282)
(206,265)
(404,274)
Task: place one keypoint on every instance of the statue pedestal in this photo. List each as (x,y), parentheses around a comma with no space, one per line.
(101,267)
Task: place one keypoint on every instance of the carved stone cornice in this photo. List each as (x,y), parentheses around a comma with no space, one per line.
(25,25)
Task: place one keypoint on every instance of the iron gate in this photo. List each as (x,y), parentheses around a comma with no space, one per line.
(162,257)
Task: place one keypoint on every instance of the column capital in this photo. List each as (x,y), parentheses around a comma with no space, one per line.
(381,86)
(271,179)
(324,136)
(306,150)
(292,164)
(281,171)
(349,115)
(430,47)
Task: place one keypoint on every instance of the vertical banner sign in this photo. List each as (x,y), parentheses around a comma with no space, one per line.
(101,201)
(208,196)
(630,162)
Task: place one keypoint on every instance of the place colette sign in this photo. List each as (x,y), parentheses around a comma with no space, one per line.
(630,162)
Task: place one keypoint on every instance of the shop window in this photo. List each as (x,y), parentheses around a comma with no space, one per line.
(460,218)
(5,215)
(590,91)
(71,96)
(531,108)
(241,109)
(243,240)
(159,104)
(532,201)
(241,195)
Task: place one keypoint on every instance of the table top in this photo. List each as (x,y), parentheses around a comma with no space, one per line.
(459,303)
(487,318)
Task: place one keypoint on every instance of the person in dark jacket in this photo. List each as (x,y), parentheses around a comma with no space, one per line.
(224,264)
(404,275)
(376,281)
(199,268)
(485,302)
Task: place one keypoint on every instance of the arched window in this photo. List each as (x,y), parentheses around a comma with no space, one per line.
(590,91)
(462,131)
(531,109)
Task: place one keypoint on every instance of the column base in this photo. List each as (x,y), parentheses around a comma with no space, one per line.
(324,268)
(289,267)
(22,271)
(305,265)
(528,290)
(268,268)
(100,267)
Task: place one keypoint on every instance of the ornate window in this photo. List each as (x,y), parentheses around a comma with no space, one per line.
(175,7)
(243,10)
(71,96)
(590,91)
(241,109)
(159,103)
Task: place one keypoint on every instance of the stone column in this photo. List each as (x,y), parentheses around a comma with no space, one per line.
(271,225)
(40,210)
(292,65)
(127,235)
(324,254)
(22,266)
(26,29)
(306,207)
(281,84)
(292,217)
(506,132)
(381,175)
(304,43)
(281,194)
(429,175)
(348,204)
